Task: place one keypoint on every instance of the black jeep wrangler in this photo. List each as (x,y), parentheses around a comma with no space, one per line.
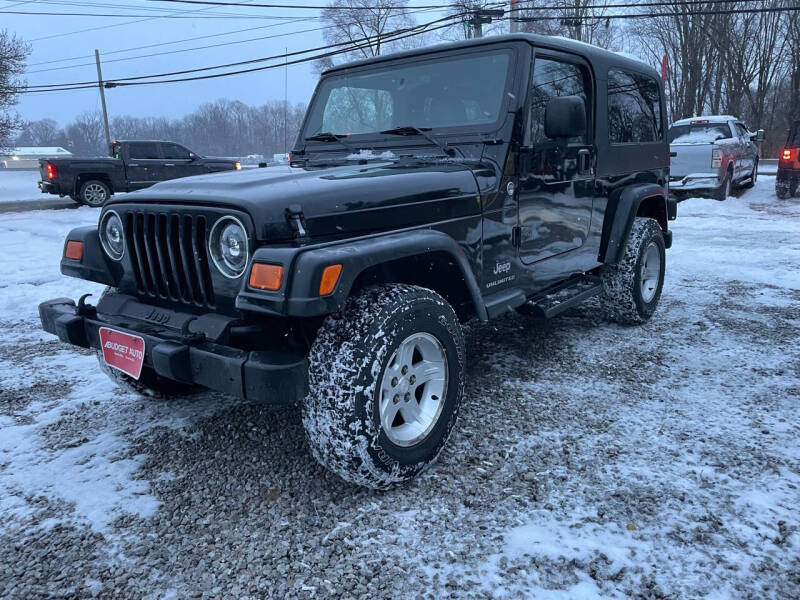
(425,189)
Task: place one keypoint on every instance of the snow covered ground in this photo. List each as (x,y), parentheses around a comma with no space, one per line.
(590,461)
(19,185)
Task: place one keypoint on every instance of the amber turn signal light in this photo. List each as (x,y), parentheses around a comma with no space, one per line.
(266,277)
(330,276)
(74,250)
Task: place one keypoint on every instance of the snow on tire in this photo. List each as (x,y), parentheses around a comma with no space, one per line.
(363,367)
(632,287)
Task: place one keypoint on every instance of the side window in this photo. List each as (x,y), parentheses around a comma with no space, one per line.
(553,78)
(174,152)
(144,151)
(634,108)
(741,131)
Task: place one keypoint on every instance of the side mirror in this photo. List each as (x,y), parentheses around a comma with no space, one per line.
(192,156)
(565,117)
(758,136)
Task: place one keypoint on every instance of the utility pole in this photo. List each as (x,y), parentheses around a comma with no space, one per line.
(512,21)
(482,16)
(102,98)
(286,102)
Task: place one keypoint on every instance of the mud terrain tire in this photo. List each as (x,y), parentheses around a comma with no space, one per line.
(356,354)
(625,298)
(149,383)
(785,189)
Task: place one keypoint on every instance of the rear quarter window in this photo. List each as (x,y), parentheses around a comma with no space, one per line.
(634,108)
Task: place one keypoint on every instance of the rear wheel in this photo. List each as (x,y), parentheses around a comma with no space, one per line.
(386,376)
(785,188)
(94,193)
(724,189)
(632,287)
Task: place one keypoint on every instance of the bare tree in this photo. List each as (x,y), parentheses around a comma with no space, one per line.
(583,20)
(86,136)
(44,132)
(13,52)
(366,24)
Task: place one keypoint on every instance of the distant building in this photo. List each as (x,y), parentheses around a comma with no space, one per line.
(28,157)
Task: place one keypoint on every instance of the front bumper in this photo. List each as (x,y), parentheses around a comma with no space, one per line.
(185,354)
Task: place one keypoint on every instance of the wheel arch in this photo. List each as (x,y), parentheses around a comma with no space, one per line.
(84,177)
(642,200)
(427,258)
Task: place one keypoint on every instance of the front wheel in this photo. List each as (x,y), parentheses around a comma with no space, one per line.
(632,287)
(386,377)
(753,177)
(94,193)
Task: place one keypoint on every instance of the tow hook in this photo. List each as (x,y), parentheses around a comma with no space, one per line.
(191,339)
(83,309)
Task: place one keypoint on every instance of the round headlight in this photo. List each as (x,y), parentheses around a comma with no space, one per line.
(228,247)
(111,236)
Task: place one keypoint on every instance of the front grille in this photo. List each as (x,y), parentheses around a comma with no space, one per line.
(169,256)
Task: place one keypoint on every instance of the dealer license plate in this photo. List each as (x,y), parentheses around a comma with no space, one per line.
(122,351)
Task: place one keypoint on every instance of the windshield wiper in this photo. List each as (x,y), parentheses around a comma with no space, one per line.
(327,136)
(423,131)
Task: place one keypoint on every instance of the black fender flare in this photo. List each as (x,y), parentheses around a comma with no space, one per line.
(94,264)
(303,267)
(622,209)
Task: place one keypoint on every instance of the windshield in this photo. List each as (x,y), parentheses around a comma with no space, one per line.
(444,92)
(699,133)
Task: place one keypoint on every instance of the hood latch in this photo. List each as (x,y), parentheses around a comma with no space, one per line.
(296,220)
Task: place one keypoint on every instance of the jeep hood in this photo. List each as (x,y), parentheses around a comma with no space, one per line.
(338,200)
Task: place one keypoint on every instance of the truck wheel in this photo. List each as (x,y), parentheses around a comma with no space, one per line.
(149,383)
(753,177)
(94,193)
(632,287)
(386,377)
(724,189)
(785,188)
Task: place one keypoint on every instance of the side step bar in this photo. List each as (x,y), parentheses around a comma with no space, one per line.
(556,300)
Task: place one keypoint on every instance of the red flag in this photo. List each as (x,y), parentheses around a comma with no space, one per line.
(664,69)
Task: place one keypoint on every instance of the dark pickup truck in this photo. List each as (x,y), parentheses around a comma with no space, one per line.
(133,165)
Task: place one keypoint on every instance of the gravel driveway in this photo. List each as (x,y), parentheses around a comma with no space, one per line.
(590,460)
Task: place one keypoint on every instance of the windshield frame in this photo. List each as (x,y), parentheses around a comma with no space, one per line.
(507,106)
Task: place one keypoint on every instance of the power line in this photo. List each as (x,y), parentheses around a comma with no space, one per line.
(409,32)
(167,16)
(348,47)
(249,61)
(69,33)
(303,6)
(170,52)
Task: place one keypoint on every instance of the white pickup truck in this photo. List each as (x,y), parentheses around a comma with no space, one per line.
(711,154)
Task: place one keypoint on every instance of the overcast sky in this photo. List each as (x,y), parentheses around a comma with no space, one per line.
(55,38)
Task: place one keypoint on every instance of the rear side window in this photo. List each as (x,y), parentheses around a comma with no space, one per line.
(634,108)
(175,152)
(144,151)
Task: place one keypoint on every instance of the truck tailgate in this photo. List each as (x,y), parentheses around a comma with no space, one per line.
(690,158)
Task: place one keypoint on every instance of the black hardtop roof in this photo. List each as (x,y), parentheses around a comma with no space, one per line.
(594,54)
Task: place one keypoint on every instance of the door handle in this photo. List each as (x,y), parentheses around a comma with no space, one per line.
(169,165)
(584,160)
(133,164)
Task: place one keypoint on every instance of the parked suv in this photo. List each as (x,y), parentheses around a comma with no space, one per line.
(133,165)
(788,176)
(426,189)
(712,154)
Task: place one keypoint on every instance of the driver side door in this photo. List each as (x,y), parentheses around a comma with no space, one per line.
(556,178)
